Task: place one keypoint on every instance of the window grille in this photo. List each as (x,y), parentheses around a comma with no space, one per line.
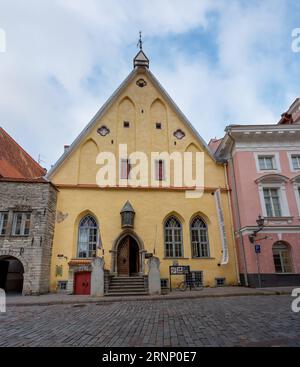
(199,237)
(87,237)
(173,238)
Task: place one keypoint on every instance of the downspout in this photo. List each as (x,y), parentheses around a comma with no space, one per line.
(238,216)
(232,229)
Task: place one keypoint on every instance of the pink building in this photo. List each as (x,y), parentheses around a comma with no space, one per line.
(263,165)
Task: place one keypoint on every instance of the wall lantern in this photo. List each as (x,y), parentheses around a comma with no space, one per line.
(260,224)
(127,216)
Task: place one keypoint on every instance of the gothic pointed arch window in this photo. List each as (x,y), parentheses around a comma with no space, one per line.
(87,237)
(199,238)
(173,238)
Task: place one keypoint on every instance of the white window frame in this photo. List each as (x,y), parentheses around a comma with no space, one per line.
(1,223)
(291,161)
(23,221)
(297,194)
(276,161)
(285,212)
(282,262)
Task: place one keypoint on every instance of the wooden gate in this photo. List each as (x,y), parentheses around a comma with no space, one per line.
(82,283)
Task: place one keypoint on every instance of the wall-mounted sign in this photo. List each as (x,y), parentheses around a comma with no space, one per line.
(257,249)
(179,270)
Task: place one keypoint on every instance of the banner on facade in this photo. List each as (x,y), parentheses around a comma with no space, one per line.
(225,257)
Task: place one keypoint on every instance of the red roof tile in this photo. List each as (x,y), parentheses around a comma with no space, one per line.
(214,144)
(15,162)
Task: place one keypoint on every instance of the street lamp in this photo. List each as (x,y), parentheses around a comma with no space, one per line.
(252,237)
(260,224)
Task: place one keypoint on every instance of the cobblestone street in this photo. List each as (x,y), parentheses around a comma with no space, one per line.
(238,321)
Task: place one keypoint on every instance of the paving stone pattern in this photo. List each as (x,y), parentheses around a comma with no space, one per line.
(236,321)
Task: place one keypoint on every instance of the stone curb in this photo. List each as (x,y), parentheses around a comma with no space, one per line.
(109,300)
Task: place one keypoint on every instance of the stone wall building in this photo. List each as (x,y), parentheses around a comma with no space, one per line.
(27,217)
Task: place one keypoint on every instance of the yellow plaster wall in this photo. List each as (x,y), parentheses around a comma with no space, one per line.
(142,107)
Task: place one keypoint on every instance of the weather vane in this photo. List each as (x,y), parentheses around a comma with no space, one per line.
(140,43)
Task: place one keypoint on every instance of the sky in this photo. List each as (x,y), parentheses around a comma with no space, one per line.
(223,62)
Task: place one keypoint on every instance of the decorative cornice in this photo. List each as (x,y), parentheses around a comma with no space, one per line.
(149,188)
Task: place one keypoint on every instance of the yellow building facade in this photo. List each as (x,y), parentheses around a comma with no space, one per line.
(179,230)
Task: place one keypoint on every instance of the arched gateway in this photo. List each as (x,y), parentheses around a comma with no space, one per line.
(128,258)
(11,274)
(127,255)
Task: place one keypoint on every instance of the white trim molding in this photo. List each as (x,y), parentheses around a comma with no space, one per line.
(279,230)
(297,195)
(276,161)
(285,212)
(291,162)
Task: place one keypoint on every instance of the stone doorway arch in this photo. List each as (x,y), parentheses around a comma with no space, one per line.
(11,274)
(128,255)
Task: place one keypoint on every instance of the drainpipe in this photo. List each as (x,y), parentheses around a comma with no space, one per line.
(232,229)
(238,214)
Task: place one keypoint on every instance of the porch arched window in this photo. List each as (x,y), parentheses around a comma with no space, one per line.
(282,258)
(173,238)
(87,237)
(199,238)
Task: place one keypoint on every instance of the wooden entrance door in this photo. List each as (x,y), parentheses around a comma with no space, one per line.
(82,283)
(128,257)
(123,257)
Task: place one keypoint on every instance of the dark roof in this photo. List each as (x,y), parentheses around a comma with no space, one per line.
(15,162)
(127,208)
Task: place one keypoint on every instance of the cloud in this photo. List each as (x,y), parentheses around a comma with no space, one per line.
(66,57)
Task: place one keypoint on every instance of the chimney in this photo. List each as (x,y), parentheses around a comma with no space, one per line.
(66,148)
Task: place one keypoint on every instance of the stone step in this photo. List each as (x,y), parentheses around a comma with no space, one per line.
(126,286)
(122,294)
(127,283)
(124,279)
(127,289)
(121,283)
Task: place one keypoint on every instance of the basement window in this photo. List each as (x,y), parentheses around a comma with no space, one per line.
(62,286)
(197,276)
(164,283)
(220,282)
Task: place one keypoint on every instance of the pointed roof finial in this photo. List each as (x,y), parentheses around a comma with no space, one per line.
(141,59)
(140,43)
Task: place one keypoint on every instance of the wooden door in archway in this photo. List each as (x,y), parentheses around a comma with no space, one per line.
(123,257)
